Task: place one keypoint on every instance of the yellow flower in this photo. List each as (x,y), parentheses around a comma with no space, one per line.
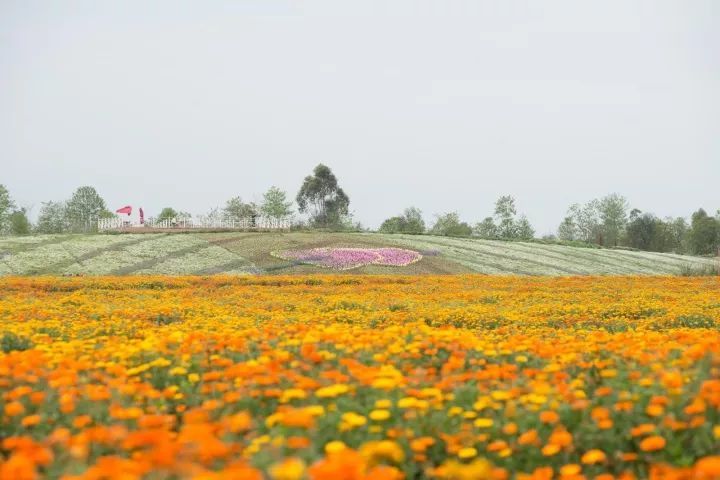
(407,402)
(467,452)
(484,422)
(193,378)
(332,391)
(288,469)
(379,415)
(334,447)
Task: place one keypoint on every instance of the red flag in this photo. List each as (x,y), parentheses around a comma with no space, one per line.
(142,216)
(127,210)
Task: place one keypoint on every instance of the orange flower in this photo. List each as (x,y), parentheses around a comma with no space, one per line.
(708,468)
(528,438)
(549,416)
(13,409)
(593,456)
(652,444)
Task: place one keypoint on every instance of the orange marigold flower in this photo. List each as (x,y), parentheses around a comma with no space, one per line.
(652,444)
(13,409)
(593,456)
(549,416)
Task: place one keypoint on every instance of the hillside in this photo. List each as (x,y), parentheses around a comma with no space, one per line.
(250,253)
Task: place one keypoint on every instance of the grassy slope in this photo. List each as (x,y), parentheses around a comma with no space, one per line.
(245,253)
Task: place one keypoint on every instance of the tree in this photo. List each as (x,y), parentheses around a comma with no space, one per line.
(568,231)
(393,225)
(7,206)
(410,221)
(450,225)
(486,229)
(584,222)
(613,218)
(238,211)
(704,233)
(52,218)
(523,229)
(414,222)
(678,234)
(505,217)
(19,223)
(323,198)
(642,230)
(167,213)
(275,204)
(84,209)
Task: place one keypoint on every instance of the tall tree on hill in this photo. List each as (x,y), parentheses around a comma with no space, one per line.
(523,229)
(613,218)
(322,197)
(486,229)
(7,206)
(275,204)
(568,231)
(642,230)
(505,212)
(704,233)
(84,209)
(52,218)
(19,223)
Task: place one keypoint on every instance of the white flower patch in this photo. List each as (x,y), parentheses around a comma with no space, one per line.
(38,259)
(205,259)
(162,244)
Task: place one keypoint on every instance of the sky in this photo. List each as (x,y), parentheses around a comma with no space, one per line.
(445,105)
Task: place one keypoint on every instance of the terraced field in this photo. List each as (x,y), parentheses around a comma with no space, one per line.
(250,253)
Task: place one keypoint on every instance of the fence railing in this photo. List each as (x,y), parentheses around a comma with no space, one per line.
(257,223)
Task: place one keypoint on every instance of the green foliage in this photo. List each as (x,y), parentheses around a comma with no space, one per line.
(449,225)
(7,206)
(237,210)
(505,212)
(167,213)
(19,223)
(598,221)
(13,342)
(486,229)
(704,235)
(84,209)
(523,229)
(52,218)
(568,231)
(410,221)
(642,230)
(321,196)
(275,204)
(505,226)
(613,218)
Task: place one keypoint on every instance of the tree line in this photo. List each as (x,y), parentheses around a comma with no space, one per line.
(606,221)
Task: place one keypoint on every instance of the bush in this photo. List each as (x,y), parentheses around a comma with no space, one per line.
(13,342)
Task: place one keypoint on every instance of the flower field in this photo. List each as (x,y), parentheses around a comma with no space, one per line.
(349,258)
(315,252)
(360,377)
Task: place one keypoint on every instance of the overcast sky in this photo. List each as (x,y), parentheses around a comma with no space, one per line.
(444,105)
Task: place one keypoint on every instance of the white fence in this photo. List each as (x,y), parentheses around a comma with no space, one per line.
(258,223)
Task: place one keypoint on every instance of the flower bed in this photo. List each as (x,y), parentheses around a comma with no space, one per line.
(348,258)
